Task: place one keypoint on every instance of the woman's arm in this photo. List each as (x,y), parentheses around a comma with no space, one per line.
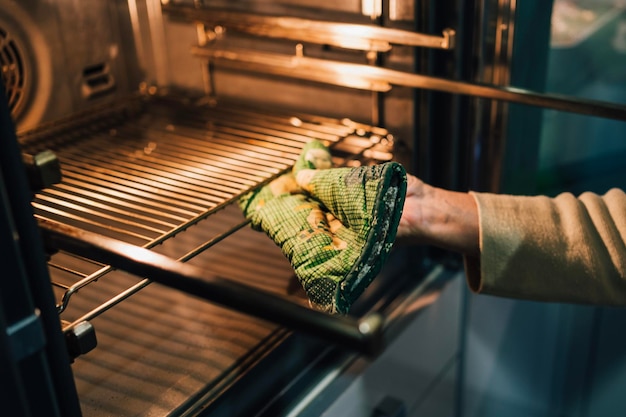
(564,249)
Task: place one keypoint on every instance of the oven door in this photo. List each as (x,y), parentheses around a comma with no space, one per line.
(35,364)
(549,358)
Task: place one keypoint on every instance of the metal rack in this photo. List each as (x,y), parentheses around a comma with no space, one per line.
(344,35)
(161,170)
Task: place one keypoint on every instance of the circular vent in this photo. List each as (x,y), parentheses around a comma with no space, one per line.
(26,68)
(14,72)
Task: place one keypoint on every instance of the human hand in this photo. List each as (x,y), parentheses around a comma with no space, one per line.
(438,217)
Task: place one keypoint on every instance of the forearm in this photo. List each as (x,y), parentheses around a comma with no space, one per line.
(558,249)
(564,249)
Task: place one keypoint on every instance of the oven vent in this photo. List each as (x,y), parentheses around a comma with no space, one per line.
(97,80)
(14,72)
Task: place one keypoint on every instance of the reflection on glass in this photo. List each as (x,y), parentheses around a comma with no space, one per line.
(587,59)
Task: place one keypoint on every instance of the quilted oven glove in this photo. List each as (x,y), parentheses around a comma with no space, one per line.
(335,251)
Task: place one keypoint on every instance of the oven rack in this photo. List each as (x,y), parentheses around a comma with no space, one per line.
(363,37)
(166,168)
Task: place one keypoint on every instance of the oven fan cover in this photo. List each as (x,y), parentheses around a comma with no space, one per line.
(26,65)
(16,72)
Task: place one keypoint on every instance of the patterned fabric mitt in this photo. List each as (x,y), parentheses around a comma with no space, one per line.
(368,200)
(334,263)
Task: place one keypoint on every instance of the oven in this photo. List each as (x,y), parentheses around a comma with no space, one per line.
(137,287)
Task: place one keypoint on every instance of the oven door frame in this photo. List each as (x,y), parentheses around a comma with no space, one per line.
(36,377)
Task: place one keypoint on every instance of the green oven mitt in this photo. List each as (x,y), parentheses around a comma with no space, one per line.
(334,263)
(368,200)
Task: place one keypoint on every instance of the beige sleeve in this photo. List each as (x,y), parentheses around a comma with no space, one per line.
(564,249)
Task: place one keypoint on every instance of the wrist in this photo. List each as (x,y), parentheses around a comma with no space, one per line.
(450,220)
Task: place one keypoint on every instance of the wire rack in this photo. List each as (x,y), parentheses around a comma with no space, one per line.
(146,176)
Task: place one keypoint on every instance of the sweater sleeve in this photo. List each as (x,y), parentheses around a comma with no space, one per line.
(562,249)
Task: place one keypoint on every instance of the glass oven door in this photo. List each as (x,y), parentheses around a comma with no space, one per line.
(528,358)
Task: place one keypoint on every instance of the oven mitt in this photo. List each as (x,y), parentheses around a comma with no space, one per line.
(367,200)
(334,263)
(318,247)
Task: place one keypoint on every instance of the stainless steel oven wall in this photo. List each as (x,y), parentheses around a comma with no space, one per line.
(59,57)
(175,67)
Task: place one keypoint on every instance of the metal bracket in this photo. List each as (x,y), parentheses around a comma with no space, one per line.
(80,338)
(26,336)
(42,169)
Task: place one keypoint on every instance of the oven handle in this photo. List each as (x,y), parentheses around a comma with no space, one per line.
(364,335)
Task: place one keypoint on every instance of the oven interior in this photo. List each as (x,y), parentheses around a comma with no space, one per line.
(141,123)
